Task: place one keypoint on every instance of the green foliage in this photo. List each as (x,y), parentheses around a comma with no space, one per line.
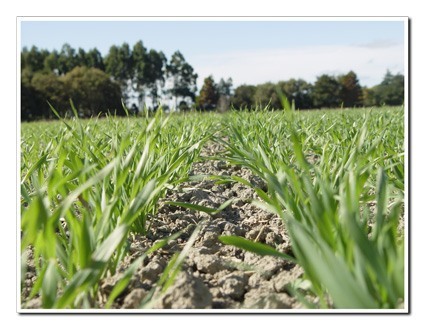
(119,65)
(243,97)
(31,103)
(67,59)
(33,59)
(92,59)
(327,92)
(390,91)
(183,78)
(139,59)
(254,247)
(47,87)
(351,91)
(298,92)
(208,96)
(224,87)
(266,96)
(155,73)
(224,90)
(90,89)
(336,180)
(86,185)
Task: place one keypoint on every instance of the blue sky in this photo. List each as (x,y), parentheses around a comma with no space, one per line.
(251,52)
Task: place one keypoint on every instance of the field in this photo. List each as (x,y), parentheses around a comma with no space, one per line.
(240,210)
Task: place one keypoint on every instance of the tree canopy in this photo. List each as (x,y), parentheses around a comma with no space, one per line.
(91,90)
(208,96)
(182,77)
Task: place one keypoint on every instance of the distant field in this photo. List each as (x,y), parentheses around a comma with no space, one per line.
(334,178)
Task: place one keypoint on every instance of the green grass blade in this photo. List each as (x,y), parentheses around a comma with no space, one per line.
(329,270)
(50,285)
(254,247)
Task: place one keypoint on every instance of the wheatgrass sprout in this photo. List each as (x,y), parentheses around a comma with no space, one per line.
(336,179)
(86,186)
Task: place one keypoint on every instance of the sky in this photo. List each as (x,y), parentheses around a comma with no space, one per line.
(251,51)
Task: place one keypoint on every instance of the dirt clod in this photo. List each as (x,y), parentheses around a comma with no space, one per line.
(187,292)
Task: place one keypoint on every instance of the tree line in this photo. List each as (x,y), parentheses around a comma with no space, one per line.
(138,77)
(326,92)
(99,84)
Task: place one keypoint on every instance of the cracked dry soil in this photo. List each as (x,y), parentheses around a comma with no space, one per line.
(214,275)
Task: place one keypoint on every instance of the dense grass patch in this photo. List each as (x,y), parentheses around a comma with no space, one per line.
(337,181)
(86,185)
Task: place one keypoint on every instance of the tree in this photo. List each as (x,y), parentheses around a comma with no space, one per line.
(266,95)
(118,64)
(155,71)
(31,103)
(326,92)
(208,96)
(92,91)
(51,62)
(140,77)
(33,59)
(298,92)
(81,58)
(46,88)
(369,97)
(224,89)
(390,91)
(67,59)
(183,78)
(62,63)
(94,59)
(351,91)
(148,73)
(243,97)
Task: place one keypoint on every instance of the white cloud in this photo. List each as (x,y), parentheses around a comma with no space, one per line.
(258,66)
